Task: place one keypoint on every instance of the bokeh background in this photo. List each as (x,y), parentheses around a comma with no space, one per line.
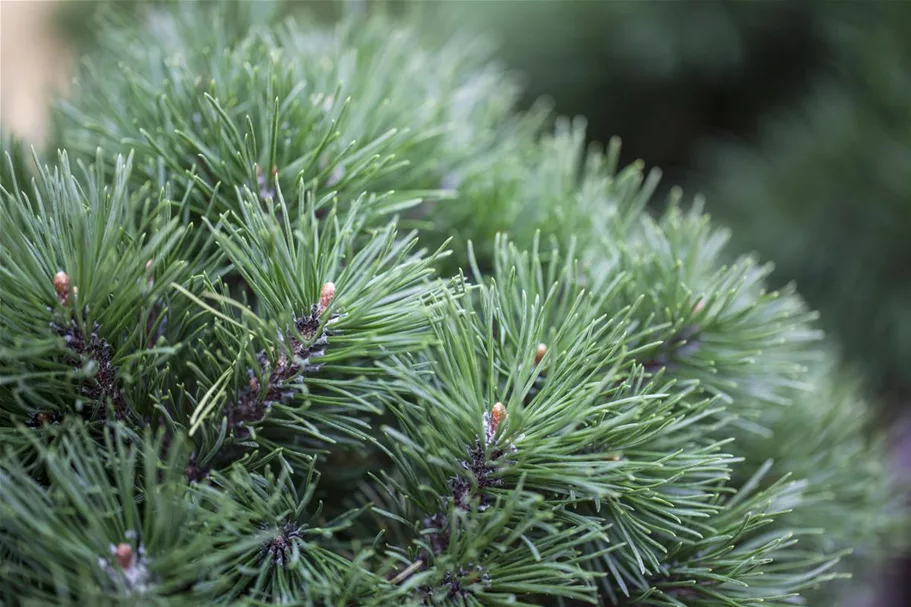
(792,118)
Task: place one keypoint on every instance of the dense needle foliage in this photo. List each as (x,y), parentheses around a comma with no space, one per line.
(309,315)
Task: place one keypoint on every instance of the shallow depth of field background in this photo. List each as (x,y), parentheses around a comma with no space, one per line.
(794,119)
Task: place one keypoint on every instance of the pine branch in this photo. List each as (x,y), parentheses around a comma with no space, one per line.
(715,324)
(277,545)
(121,526)
(84,269)
(113,525)
(594,438)
(331,300)
(347,111)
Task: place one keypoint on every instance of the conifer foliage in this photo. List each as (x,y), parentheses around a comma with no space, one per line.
(307,315)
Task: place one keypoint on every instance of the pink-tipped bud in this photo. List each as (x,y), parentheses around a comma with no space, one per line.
(62,286)
(124,555)
(699,307)
(497,415)
(326,295)
(539,353)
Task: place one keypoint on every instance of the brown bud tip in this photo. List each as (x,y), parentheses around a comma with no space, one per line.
(274,170)
(41,418)
(149,265)
(540,352)
(62,286)
(124,555)
(497,415)
(326,295)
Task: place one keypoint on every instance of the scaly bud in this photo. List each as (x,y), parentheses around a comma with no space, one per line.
(326,295)
(539,353)
(124,555)
(62,286)
(497,415)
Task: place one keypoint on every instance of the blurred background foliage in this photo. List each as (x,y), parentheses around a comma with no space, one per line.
(793,117)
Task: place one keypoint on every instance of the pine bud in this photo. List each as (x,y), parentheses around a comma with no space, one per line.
(539,353)
(124,555)
(497,415)
(326,295)
(62,286)
(699,307)
(149,270)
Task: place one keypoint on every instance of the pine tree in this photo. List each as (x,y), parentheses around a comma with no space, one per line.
(310,315)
